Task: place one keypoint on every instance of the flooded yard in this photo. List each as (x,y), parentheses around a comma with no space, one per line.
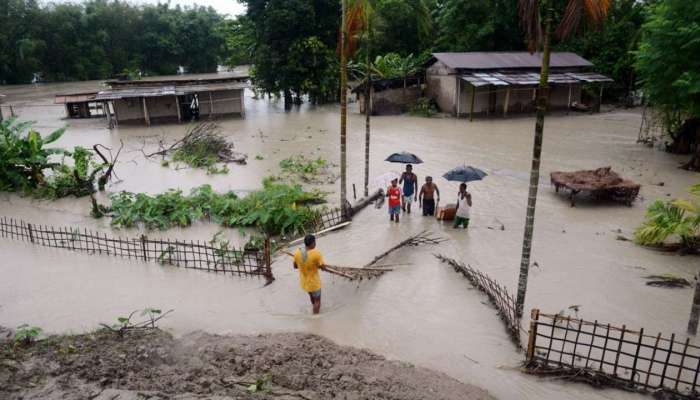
(422,312)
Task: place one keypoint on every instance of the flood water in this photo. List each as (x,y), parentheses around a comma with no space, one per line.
(422,312)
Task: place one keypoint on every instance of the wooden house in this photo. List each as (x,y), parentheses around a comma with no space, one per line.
(495,82)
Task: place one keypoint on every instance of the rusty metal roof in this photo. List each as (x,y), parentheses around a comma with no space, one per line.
(74,97)
(508,60)
(161,91)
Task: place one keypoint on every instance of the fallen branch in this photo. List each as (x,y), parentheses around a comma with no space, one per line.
(667,280)
(202,144)
(422,238)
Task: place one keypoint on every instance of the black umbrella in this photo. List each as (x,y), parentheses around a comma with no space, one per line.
(404,158)
(464,174)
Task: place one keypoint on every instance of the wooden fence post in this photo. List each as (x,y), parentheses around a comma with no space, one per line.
(268,260)
(532,334)
(143,247)
(31,234)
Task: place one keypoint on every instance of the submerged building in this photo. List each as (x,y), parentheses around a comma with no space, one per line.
(494,82)
(161,99)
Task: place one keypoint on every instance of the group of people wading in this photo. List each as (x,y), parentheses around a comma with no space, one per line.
(308,259)
(400,199)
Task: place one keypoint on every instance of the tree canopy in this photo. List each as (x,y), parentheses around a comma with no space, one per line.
(668,60)
(97,39)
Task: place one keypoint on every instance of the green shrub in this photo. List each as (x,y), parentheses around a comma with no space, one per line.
(275,209)
(424,107)
(677,219)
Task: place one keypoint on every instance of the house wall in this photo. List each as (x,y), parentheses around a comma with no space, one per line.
(521,98)
(162,108)
(441,85)
(129,109)
(391,101)
(221,102)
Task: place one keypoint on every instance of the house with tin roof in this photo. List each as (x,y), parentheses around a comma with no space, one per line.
(489,83)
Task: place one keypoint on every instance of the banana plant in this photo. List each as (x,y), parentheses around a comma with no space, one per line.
(24,156)
(675,219)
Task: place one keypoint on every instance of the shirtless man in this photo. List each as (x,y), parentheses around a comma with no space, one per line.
(427,196)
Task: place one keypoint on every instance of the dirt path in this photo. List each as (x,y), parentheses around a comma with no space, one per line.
(155,365)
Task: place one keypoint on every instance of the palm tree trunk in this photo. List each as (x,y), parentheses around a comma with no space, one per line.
(695,309)
(343,106)
(368,103)
(542,97)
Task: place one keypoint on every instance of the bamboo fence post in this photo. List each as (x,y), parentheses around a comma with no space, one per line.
(532,334)
(563,343)
(578,334)
(651,360)
(605,347)
(668,358)
(680,365)
(636,356)
(31,234)
(143,247)
(619,348)
(590,348)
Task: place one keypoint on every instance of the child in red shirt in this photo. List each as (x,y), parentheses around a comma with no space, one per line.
(394,195)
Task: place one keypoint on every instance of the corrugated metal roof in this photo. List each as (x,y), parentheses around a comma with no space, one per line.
(74,98)
(504,60)
(478,79)
(160,91)
(589,77)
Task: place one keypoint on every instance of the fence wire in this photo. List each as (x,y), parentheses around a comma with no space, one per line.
(614,355)
(180,253)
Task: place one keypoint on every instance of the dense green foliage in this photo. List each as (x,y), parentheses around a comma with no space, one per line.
(99,38)
(24,157)
(275,209)
(295,42)
(611,48)
(668,60)
(27,167)
(675,219)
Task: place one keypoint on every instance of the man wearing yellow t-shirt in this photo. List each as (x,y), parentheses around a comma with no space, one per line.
(309,260)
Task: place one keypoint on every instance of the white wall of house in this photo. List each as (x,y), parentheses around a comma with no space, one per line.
(441,85)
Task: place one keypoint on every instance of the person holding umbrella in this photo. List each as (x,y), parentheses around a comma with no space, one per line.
(464,205)
(464,174)
(410,188)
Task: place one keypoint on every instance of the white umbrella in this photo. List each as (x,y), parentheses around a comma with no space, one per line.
(384,180)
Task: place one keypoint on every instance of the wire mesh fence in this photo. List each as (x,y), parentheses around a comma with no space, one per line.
(499,296)
(180,253)
(604,354)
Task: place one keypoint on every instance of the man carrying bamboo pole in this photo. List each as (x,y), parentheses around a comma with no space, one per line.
(308,261)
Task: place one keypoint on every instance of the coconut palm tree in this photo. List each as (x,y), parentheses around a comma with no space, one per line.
(343,105)
(538,34)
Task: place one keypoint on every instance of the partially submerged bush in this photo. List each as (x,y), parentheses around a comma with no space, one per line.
(25,164)
(307,170)
(24,157)
(675,219)
(424,107)
(275,209)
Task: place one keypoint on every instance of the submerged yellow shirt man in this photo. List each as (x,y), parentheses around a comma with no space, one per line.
(309,260)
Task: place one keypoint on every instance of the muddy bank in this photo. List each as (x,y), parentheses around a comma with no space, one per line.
(153,364)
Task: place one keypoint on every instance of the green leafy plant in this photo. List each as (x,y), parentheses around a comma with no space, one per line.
(150,316)
(307,170)
(423,108)
(26,335)
(262,384)
(24,156)
(676,219)
(275,209)
(259,157)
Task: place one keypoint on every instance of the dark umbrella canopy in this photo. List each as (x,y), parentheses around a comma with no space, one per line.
(404,158)
(464,174)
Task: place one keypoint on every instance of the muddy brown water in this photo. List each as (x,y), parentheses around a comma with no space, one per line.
(422,312)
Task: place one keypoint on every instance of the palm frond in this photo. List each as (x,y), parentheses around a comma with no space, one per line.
(529,12)
(593,11)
